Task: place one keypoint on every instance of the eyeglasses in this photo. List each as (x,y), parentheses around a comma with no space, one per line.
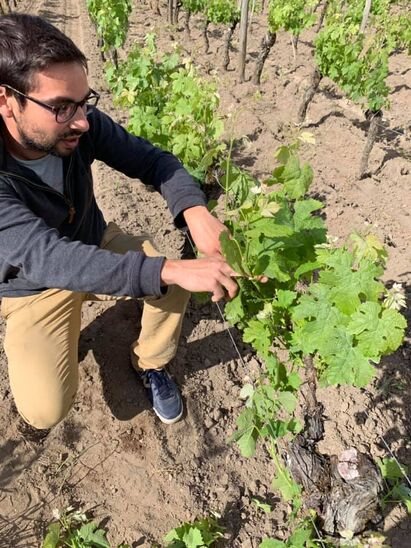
(66,110)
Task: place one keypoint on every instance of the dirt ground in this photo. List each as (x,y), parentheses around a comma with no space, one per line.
(111,456)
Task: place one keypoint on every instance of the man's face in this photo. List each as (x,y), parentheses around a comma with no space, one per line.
(35,128)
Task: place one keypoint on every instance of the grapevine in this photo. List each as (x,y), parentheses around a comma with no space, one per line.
(169,105)
(291,16)
(111,20)
(357,60)
(192,7)
(223,12)
(322,304)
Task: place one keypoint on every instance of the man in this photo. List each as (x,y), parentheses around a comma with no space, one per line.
(56,249)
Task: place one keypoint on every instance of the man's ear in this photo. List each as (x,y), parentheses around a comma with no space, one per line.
(6,110)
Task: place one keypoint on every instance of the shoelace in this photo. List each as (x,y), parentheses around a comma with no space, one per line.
(162,383)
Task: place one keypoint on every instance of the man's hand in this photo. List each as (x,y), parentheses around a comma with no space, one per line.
(210,274)
(205,229)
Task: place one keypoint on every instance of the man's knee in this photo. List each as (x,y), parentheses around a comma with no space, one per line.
(47,413)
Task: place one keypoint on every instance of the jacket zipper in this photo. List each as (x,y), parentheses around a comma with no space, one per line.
(68,201)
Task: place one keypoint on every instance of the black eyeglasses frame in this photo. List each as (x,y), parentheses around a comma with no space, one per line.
(55,109)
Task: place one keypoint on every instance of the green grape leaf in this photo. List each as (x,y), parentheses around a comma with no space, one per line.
(90,533)
(232,252)
(303,220)
(258,333)
(300,537)
(297,182)
(403,493)
(193,538)
(53,536)
(391,470)
(378,331)
(247,393)
(267,227)
(288,401)
(284,298)
(305,268)
(277,269)
(246,435)
(262,505)
(348,367)
(272,543)
(234,310)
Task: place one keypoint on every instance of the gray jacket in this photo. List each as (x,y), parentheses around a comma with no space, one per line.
(51,240)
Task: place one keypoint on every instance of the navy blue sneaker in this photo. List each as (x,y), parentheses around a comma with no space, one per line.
(164,395)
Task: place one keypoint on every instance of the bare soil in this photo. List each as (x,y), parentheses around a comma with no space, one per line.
(111,456)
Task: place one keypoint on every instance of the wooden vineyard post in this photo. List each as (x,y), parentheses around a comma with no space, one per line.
(187,23)
(365,15)
(294,44)
(372,116)
(243,39)
(171,11)
(177,8)
(266,44)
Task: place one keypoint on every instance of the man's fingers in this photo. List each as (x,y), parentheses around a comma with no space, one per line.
(210,274)
(231,287)
(225,287)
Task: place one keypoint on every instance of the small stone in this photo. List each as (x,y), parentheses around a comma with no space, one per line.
(208,422)
(208,384)
(217,415)
(344,406)
(235,391)
(377,451)
(253,487)
(224,479)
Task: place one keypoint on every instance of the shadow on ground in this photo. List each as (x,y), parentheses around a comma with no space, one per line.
(393,393)
(109,338)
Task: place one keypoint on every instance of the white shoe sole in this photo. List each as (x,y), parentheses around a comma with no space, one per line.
(169,421)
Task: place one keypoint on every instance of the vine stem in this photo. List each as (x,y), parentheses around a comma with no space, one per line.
(322,16)
(267,43)
(315,80)
(373,117)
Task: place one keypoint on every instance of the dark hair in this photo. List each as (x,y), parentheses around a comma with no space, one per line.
(29,44)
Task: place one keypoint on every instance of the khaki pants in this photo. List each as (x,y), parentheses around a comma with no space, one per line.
(42,334)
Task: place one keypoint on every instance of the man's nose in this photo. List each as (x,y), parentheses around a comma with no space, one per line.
(79,120)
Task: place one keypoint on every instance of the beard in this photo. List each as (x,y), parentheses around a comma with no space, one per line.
(40,143)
